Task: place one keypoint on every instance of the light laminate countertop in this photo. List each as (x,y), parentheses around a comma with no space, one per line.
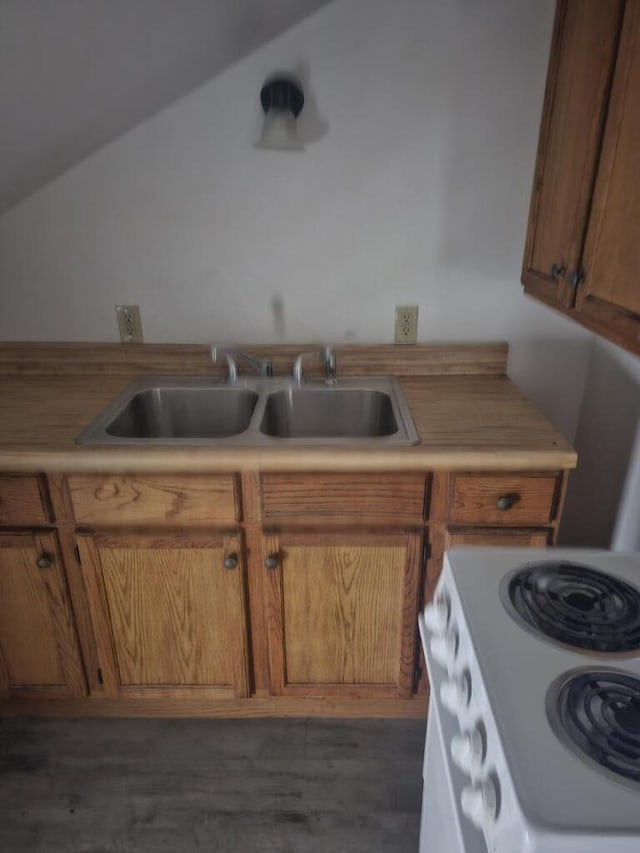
(465,422)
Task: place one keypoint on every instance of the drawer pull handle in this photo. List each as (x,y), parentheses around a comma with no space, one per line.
(43,561)
(505,502)
(272,562)
(231,561)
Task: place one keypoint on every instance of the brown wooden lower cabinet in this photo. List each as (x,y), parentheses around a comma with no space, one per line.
(294,601)
(502,538)
(168,614)
(342,611)
(443,538)
(39,655)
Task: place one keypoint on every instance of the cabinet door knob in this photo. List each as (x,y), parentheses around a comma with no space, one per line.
(43,561)
(576,278)
(272,562)
(231,561)
(557,270)
(505,502)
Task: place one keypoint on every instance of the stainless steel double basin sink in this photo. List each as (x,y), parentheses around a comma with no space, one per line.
(197,411)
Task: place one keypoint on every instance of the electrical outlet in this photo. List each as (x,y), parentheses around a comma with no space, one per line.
(406,324)
(129,324)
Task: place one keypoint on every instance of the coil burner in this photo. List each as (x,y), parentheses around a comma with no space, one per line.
(597,714)
(575,605)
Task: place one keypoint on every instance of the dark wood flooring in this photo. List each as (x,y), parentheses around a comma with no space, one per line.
(177,786)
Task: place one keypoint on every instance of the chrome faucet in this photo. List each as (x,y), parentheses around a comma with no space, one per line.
(328,358)
(263,366)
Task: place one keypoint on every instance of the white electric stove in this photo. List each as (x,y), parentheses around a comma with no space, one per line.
(533,737)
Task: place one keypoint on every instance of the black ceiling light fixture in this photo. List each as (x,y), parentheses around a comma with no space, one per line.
(282,100)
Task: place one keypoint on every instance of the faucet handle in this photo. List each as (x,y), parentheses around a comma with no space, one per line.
(330,365)
(266,367)
(298,371)
(263,366)
(328,359)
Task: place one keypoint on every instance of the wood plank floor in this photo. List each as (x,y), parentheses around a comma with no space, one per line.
(176,786)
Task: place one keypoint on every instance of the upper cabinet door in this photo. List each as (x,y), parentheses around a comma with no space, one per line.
(609,295)
(581,64)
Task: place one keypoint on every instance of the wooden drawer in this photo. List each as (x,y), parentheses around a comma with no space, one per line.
(497,499)
(352,498)
(182,500)
(500,538)
(21,501)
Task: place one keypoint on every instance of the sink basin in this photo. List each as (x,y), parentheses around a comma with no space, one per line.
(185,413)
(174,410)
(156,410)
(328,413)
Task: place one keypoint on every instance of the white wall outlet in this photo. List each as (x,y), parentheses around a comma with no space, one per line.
(129,324)
(406,324)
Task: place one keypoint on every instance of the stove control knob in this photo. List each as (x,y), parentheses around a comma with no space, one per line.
(436,616)
(444,648)
(455,693)
(480,803)
(467,750)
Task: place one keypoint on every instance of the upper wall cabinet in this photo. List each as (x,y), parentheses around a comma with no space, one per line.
(582,253)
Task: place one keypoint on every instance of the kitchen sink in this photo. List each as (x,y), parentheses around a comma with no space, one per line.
(328,412)
(185,413)
(154,410)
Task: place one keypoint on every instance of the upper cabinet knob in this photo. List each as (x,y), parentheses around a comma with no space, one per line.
(231,561)
(272,562)
(43,561)
(557,270)
(576,278)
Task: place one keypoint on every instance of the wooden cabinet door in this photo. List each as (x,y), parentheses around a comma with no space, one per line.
(169,618)
(342,611)
(581,63)
(39,655)
(608,298)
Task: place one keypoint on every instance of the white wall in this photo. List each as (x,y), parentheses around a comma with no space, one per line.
(603,499)
(626,532)
(417,193)
(76,75)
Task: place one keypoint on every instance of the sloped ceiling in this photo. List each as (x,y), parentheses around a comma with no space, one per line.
(76,74)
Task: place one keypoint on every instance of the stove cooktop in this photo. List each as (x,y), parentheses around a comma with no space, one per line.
(556,636)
